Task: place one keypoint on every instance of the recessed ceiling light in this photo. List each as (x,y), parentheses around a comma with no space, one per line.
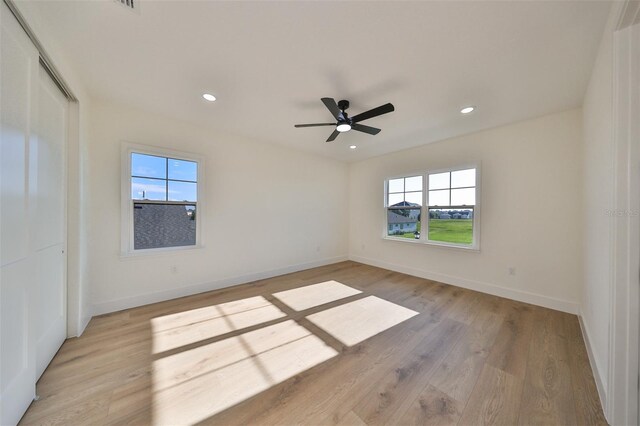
(467,110)
(209,97)
(343,127)
(352,147)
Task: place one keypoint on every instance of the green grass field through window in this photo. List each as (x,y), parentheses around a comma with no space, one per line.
(458,231)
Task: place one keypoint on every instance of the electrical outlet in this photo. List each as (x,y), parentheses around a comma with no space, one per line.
(174,269)
(512,270)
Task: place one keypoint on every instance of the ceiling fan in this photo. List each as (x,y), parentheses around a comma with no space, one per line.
(345,123)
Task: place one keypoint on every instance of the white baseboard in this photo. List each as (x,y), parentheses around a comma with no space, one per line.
(519,295)
(597,374)
(83,324)
(161,296)
(79,326)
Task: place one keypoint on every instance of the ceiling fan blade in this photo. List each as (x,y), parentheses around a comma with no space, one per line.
(333,136)
(332,106)
(314,125)
(383,109)
(365,129)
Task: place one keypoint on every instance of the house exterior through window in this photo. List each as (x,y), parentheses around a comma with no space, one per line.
(162,200)
(446,212)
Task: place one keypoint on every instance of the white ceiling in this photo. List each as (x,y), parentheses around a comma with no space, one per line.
(269,63)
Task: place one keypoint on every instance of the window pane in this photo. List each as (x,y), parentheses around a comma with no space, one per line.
(439,181)
(395,199)
(163,225)
(396,185)
(439,198)
(183,170)
(463,197)
(182,191)
(451,225)
(463,178)
(413,183)
(413,197)
(148,189)
(148,166)
(404,223)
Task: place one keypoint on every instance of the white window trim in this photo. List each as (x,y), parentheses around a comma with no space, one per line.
(126,210)
(424,210)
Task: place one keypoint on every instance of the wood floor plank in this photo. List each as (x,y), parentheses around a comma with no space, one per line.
(458,373)
(387,400)
(131,401)
(547,396)
(495,399)
(432,407)
(585,393)
(351,419)
(467,307)
(83,411)
(511,347)
(464,357)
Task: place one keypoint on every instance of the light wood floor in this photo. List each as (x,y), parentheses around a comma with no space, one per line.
(260,354)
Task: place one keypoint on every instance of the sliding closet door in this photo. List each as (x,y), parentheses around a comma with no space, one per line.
(19,83)
(47,165)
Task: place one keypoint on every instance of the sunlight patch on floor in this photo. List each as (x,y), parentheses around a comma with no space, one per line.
(315,295)
(199,382)
(357,321)
(194,385)
(183,328)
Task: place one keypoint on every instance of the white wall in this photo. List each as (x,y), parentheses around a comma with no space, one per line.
(78,306)
(293,206)
(598,200)
(531,211)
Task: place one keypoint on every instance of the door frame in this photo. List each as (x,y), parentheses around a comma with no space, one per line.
(624,378)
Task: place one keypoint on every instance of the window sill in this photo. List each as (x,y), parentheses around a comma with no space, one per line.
(157,252)
(433,243)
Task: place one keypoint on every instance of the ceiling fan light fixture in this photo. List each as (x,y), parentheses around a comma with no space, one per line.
(344,123)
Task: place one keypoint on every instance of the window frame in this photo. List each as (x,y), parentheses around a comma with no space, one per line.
(126,203)
(424,210)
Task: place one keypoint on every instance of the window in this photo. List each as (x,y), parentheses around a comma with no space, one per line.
(452,200)
(404,205)
(161,204)
(448,205)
